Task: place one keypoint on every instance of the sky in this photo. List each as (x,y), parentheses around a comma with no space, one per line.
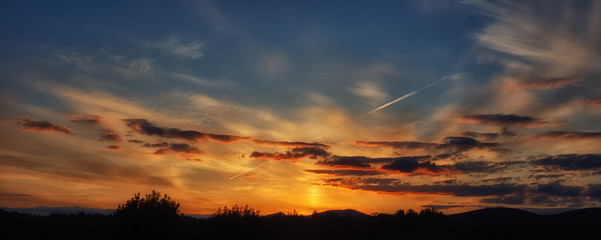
(301,105)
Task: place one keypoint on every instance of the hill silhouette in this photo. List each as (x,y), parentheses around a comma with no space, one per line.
(491,215)
(581,213)
(350,213)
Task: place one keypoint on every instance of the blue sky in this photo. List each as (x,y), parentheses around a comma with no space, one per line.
(181,96)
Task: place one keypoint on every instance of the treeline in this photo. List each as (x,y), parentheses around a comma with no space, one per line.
(228,223)
(157,217)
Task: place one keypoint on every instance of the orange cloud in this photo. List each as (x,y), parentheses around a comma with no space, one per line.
(113,148)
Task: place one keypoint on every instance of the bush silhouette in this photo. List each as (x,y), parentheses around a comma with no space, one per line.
(151,205)
(149,217)
(236,212)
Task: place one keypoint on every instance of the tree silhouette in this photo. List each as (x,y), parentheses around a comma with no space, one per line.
(151,205)
(148,217)
(430,212)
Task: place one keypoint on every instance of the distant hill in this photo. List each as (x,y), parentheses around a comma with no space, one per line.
(582,213)
(494,212)
(493,215)
(278,214)
(516,216)
(354,214)
(199,216)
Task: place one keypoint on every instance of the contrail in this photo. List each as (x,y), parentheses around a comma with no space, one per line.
(393,101)
(249,170)
(320,136)
(415,92)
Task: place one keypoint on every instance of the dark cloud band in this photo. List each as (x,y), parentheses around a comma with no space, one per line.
(42,125)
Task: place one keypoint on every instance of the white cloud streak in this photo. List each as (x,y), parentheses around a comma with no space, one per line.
(177,47)
(560,44)
(249,170)
(452,76)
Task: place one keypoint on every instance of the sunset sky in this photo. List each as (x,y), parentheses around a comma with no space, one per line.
(306,105)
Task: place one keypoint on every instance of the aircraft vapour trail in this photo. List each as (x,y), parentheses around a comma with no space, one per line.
(393,101)
(415,92)
(249,170)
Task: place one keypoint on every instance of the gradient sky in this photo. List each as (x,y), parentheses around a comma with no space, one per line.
(282,105)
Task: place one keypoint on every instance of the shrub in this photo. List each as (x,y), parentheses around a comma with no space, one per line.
(151,205)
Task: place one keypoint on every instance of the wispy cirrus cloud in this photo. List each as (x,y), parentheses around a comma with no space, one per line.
(547,57)
(92,170)
(141,65)
(177,47)
(371,91)
(547,41)
(569,135)
(550,82)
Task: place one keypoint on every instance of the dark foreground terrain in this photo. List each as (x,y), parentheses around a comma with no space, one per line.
(492,223)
